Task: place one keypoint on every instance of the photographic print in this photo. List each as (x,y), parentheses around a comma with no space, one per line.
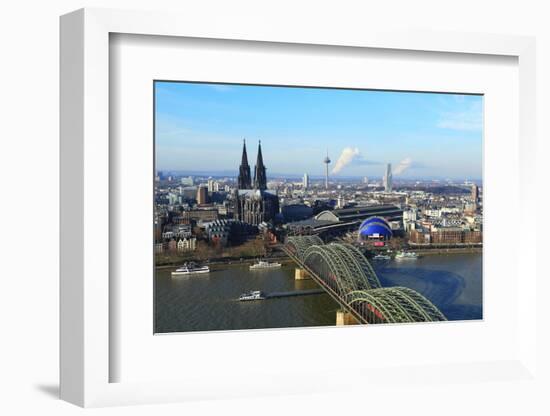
(286,206)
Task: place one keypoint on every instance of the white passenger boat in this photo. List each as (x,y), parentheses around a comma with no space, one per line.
(190,268)
(264,265)
(403,255)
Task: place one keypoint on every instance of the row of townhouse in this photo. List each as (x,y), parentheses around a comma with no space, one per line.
(173,245)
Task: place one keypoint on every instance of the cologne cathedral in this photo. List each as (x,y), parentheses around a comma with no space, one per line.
(255,204)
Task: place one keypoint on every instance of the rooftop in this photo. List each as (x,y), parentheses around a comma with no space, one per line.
(360,212)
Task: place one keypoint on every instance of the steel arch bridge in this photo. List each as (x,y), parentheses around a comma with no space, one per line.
(347,276)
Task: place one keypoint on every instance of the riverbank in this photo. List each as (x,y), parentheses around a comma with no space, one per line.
(454,250)
(281,257)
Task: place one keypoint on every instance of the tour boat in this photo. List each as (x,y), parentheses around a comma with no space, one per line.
(381,257)
(264,265)
(190,268)
(252,295)
(402,255)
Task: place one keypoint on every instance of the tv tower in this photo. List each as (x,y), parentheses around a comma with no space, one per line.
(326,161)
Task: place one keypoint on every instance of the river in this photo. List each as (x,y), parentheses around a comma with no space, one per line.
(208,302)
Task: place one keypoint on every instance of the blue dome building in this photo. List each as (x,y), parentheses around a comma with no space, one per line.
(375,227)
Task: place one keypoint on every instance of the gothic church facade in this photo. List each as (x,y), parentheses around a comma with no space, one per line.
(254,203)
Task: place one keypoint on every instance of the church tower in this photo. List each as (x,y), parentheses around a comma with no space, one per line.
(260,179)
(244,181)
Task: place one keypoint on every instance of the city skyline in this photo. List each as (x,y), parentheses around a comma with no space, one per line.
(331,250)
(199,128)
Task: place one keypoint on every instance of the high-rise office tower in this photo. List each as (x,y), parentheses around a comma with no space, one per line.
(475,197)
(326,161)
(388,179)
(305,182)
(244,181)
(202,195)
(475,193)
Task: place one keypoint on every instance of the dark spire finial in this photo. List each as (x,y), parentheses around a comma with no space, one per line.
(260,179)
(244,180)
(260,159)
(244,159)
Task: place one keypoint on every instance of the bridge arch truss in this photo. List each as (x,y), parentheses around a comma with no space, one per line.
(346,274)
(342,267)
(299,245)
(394,305)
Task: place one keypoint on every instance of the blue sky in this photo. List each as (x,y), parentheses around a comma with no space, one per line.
(200,127)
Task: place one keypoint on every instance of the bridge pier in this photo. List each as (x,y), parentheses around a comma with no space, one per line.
(301,274)
(345,318)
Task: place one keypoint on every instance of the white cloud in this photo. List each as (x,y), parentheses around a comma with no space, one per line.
(403,166)
(347,155)
(351,156)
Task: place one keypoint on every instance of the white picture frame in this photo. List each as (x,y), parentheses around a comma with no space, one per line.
(86,355)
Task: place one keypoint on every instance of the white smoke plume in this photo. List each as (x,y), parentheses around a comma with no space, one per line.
(346,157)
(403,166)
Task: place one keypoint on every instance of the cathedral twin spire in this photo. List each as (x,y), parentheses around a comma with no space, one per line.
(260,179)
(244,180)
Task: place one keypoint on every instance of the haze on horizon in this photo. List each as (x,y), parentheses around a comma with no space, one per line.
(200,127)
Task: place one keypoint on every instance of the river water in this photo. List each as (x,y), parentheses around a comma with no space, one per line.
(208,302)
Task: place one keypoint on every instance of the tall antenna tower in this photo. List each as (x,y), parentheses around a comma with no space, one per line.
(326,161)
